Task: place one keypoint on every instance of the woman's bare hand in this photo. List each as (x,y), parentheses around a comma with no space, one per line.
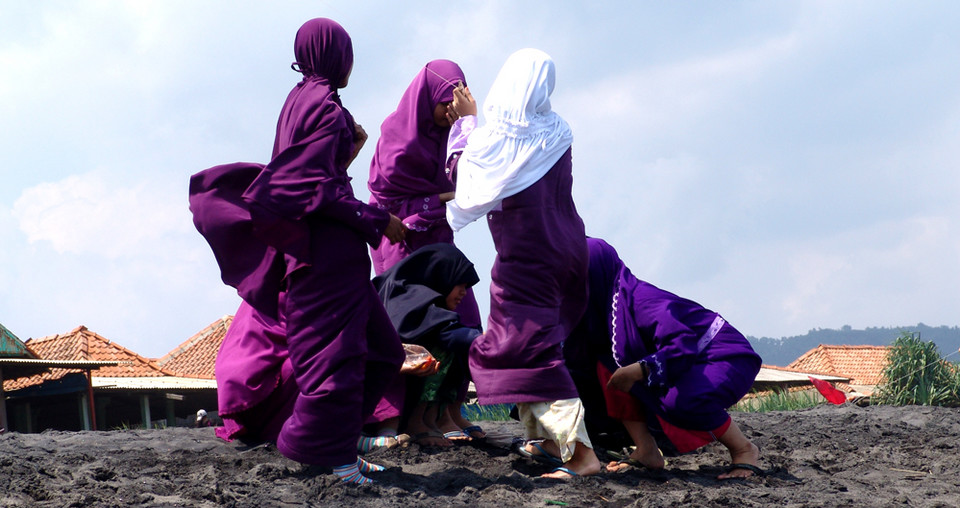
(625,377)
(395,231)
(446,196)
(359,139)
(463,103)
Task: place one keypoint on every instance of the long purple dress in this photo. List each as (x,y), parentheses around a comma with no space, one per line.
(407,175)
(537,294)
(298,258)
(699,364)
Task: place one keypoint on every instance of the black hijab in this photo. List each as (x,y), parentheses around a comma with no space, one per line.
(414,290)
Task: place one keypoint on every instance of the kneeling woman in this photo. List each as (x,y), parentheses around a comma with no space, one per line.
(665,365)
(421,293)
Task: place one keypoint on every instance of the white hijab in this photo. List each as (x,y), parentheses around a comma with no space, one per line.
(521,140)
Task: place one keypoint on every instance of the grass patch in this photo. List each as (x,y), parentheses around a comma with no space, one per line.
(779,400)
(493,412)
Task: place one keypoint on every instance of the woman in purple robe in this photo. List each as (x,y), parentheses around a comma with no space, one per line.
(313,342)
(408,179)
(517,171)
(665,365)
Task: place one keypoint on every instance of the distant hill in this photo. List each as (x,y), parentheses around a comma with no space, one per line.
(784,350)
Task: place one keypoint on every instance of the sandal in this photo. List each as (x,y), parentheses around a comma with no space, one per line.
(543,456)
(469,431)
(568,471)
(760,473)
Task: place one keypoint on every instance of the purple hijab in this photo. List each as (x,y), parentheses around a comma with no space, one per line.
(411,151)
(314,141)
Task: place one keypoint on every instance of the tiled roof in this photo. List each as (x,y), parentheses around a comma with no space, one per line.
(196,357)
(82,344)
(862,364)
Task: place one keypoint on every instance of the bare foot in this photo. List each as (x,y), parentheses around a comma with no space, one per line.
(747,455)
(585,468)
(450,429)
(583,463)
(650,459)
(424,435)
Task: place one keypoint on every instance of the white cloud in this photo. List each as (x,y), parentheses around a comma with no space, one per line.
(88,213)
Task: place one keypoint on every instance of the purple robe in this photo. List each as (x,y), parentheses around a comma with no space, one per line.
(699,365)
(538,292)
(407,172)
(300,215)
(407,175)
(255,384)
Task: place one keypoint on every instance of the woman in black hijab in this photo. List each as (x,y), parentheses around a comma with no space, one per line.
(421,293)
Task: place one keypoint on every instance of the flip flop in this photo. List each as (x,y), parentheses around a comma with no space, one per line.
(623,457)
(543,456)
(471,429)
(562,469)
(749,467)
(455,435)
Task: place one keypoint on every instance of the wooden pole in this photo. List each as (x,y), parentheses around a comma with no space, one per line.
(3,406)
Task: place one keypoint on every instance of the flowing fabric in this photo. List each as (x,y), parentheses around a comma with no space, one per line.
(255,384)
(691,381)
(521,140)
(300,216)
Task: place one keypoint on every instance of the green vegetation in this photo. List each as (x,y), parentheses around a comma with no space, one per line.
(495,412)
(779,400)
(917,375)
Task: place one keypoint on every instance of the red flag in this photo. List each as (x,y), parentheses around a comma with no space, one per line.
(830,393)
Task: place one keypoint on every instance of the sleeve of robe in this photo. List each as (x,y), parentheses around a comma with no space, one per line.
(674,341)
(304,180)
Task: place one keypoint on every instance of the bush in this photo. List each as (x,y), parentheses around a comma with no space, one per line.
(917,375)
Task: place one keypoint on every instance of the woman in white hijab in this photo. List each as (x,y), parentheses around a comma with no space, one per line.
(517,170)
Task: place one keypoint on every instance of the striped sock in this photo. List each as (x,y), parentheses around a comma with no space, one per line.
(368,467)
(350,473)
(368,443)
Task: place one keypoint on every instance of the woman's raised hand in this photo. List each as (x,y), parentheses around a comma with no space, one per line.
(463,103)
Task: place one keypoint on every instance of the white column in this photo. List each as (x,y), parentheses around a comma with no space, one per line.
(145,410)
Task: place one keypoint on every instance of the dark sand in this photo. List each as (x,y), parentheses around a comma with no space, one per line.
(828,456)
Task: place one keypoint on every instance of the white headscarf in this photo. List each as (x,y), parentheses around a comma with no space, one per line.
(521,140)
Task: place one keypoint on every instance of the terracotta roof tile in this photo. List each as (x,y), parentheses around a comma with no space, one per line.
(82,344)
(862,364)
(196,357)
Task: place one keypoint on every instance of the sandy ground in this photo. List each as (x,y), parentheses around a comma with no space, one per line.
(827,456)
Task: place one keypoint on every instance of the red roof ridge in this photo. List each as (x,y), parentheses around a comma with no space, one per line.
(83,331)
(197,337)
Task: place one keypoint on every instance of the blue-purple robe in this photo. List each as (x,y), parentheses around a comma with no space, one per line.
(699,364)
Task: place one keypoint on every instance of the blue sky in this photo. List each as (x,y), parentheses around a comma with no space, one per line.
(792,165)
